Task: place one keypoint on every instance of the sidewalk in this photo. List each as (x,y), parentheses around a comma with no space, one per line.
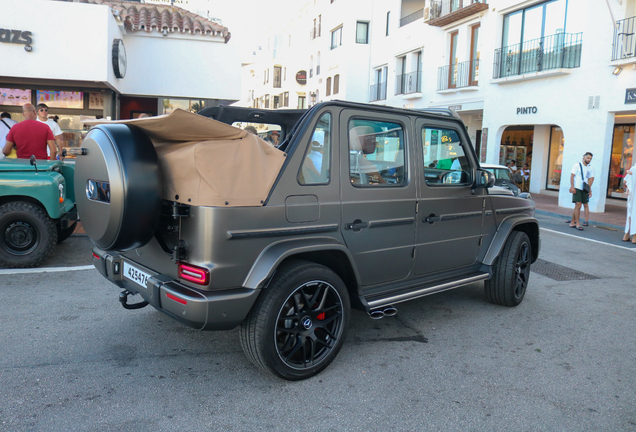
(613,216)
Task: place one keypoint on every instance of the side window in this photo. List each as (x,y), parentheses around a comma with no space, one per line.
(444,159)
(376,153)
(316,168)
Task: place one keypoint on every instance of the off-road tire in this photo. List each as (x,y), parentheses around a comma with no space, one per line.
(27,235)
(512,272)
(264,342)
(64,233)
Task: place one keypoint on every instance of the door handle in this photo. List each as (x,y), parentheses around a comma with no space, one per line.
(356,225)
(431,219)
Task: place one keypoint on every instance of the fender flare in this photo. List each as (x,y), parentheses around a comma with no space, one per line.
(503,232)
(270,258)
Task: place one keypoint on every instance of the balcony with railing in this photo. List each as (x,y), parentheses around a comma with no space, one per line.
(444,12)
(377,92)
(624,46)
(559,51)
(408,83)
(408,19)
(458,75)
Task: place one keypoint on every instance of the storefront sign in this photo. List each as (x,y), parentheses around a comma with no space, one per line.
(527,110)
(630,96)
(408,105)
(301,77)
(17,37)
(455,107)
(120,62)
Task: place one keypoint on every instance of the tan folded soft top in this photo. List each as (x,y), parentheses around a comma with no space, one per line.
(208,163)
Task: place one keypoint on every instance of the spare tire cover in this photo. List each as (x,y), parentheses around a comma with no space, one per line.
(118,187)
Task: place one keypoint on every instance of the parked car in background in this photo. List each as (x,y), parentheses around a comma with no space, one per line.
(503,178)
(37,209)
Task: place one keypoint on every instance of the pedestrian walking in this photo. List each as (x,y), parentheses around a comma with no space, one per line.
(581,179)
(30,137)
(629,183)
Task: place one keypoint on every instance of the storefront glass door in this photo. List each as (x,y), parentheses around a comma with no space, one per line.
(555,163)
(622,159)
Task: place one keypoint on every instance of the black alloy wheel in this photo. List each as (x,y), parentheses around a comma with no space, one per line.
(511,274)
(299,322)
(309,325)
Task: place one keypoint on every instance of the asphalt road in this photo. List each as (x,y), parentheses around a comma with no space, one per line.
(72,359)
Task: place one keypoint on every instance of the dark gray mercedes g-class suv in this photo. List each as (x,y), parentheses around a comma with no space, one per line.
(360,206)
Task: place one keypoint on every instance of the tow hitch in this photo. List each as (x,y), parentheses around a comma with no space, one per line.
(123,299)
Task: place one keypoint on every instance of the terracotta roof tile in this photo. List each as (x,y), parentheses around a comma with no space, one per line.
(153,17)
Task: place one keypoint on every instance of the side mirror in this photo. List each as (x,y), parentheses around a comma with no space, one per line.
(485,178)
(32,161)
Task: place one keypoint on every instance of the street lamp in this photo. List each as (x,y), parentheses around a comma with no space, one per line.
(313,98)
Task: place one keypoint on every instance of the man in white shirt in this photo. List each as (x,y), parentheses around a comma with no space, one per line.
(43,112)
(6,123)
(581,173)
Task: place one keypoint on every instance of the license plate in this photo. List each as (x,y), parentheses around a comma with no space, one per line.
(134,274)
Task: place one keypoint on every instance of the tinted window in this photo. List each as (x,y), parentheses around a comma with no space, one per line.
(444,159)
(315,168)
(376,153)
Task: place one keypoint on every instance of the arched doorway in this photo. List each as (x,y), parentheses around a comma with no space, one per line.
(516,145)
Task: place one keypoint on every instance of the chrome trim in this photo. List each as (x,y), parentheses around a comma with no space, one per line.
(425,291)
(281,231)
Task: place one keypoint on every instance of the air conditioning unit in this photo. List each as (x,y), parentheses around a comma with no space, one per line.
(427,14)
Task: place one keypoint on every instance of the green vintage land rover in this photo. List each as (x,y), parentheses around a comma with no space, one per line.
(37,209)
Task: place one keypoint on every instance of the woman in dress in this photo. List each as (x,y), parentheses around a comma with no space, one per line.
(629,183)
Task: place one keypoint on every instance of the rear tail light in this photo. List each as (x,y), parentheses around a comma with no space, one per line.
(195,274)
(95,255)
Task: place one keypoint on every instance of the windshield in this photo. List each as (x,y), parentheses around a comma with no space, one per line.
(500,173)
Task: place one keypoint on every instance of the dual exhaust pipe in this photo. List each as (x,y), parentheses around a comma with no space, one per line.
(388,311)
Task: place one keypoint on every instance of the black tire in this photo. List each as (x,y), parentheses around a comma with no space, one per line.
(315,304)
(64,233)
(512,271)
(27,235)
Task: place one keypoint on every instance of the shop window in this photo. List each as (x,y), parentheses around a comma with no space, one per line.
(362,32)
(192,105)
(516,144)
(445,162)
(302,102)
(376,153)
(336,84)
(555,162)
(328,93)
(316,167)
(622,159)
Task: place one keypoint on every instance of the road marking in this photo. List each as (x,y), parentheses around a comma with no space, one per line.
(45,270)
(595,241)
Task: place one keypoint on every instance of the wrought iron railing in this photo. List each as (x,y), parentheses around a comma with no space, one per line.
(377,92)
(624,39)
(562,50)
(440,8)
(408,83)
(412,17)
(458,75)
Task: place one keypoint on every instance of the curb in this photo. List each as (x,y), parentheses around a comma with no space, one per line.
(565,217)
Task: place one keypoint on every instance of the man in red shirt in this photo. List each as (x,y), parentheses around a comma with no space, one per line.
(30,137)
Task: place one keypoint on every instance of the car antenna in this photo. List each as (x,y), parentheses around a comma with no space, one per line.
(32,160)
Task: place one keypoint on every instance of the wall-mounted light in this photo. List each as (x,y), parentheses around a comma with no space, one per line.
(617,70)
(164,33)
(313,97)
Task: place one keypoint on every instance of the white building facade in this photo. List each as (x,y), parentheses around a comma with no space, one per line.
(540,82)
(114,59)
